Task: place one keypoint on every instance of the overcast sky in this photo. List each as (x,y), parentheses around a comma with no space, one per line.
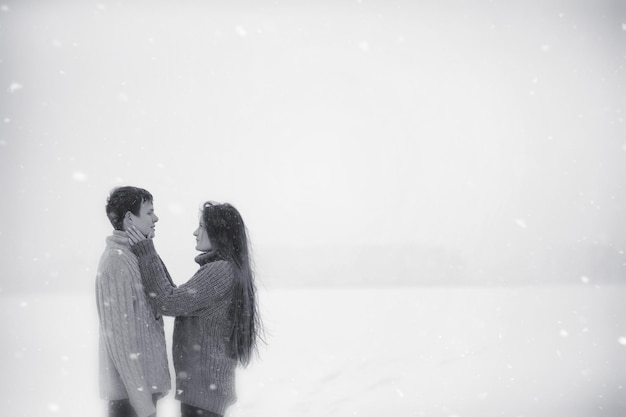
(492,128)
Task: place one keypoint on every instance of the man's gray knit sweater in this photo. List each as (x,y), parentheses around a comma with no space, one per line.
(205,367)
(133,357)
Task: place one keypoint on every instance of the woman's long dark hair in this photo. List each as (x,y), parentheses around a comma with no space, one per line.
(229,238)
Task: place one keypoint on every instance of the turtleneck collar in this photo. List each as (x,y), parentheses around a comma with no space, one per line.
(206,257)
(118,238)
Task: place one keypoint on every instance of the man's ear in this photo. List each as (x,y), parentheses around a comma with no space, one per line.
(128,220)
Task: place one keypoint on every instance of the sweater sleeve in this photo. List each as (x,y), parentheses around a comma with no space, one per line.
(119,330)
(199,296)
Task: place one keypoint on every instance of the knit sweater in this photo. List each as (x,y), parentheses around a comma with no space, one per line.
(204,364)
(133,356)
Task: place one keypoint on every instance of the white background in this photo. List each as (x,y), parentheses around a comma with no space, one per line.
(472,150)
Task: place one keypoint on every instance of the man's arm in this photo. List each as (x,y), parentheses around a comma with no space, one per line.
(119,327)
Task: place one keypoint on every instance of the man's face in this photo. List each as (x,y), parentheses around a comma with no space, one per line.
(146,220)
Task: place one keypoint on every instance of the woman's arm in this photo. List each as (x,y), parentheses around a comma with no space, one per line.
(208,286)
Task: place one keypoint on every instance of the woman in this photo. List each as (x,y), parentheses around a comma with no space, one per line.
(217,322)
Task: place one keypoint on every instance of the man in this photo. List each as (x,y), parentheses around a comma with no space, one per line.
(134,372)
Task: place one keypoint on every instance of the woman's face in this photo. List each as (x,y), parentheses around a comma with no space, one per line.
(203,243)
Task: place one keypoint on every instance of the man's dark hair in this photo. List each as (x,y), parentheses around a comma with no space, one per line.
(125,199)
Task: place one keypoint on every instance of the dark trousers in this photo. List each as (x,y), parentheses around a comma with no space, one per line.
(122,408)
(187,410)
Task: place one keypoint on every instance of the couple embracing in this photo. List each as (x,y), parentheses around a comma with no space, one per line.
(217,323)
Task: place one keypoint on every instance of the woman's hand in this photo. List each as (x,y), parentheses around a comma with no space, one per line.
(134,235)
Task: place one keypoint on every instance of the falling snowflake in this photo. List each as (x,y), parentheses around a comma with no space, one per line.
(14,87)
(79,176)
(53,408)
(364,46)
(584,279)
(241,31)
(622,340)
(521,223)
(135,356)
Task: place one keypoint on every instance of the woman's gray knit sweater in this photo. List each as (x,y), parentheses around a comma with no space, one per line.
(204,364)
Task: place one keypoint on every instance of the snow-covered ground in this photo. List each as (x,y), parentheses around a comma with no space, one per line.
(402,351)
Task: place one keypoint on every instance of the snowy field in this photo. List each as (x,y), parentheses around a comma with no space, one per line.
(480,352)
